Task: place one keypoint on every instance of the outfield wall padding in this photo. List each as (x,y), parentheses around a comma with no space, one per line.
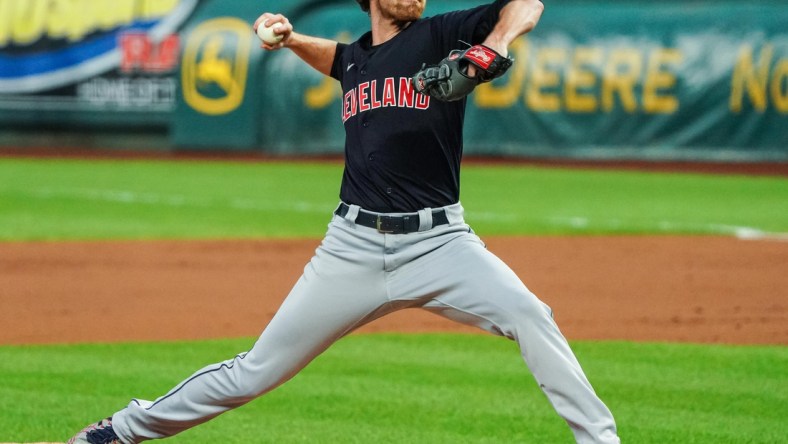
(673,80)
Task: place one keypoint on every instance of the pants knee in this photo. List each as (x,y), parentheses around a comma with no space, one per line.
(530,307)
(524,312)
(250,379)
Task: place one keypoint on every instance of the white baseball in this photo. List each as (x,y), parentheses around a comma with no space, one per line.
(266,33)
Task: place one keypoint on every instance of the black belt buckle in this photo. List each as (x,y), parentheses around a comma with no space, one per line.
(385,224)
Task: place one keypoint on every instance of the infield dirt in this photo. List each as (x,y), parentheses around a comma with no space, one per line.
(639,288)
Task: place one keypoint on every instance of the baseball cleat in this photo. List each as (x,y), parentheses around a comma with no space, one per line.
(97,433)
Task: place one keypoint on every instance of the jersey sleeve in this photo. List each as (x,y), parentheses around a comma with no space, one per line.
(470,26)
(336,67)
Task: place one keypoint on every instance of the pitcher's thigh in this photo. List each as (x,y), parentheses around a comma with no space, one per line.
(479,289)
(318,311)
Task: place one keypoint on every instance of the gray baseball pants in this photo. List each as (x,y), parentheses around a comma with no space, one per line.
(359,274)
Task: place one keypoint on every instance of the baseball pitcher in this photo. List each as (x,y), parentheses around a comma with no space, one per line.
(397,238)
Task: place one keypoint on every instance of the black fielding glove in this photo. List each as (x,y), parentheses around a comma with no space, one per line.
(449,81)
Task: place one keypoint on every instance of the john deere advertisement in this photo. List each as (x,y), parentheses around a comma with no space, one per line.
(596,79)
(658,78)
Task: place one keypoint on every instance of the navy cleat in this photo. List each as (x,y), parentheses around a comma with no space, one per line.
(98,433)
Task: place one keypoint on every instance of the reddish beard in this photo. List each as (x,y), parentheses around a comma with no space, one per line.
(402,10)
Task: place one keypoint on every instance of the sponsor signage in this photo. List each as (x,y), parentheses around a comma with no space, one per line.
(599,79)
(87,55)
(216,65)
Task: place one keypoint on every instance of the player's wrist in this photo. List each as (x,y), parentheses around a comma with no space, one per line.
(497,44)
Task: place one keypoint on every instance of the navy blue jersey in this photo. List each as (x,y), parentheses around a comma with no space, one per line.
(402,149)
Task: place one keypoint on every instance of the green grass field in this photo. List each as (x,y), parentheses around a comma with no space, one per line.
(391,388)
(141,199)
(413,389)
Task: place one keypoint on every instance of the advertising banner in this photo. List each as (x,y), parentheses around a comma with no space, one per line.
(220,104)
(647,79)
(596,79)
(601,79)
(109,57)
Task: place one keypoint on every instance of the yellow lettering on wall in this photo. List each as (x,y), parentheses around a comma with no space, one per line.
(80,20)
(545,76)
(105,15)
(157,8)
(122,12)
(488,95)
(74,19)
(29,21)
(621,75)
(580,77)
(658,79)
(24,22)
(6,19)
(746,77)
(780,86)
(58,18)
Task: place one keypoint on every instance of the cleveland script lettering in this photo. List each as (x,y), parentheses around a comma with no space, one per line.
(394,93)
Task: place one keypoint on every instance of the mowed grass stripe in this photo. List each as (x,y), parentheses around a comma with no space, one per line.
(135,199)
(411,388)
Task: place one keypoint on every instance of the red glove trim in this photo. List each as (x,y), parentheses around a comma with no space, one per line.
(481,56)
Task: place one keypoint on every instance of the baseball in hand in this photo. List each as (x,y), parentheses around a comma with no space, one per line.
(266,33)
